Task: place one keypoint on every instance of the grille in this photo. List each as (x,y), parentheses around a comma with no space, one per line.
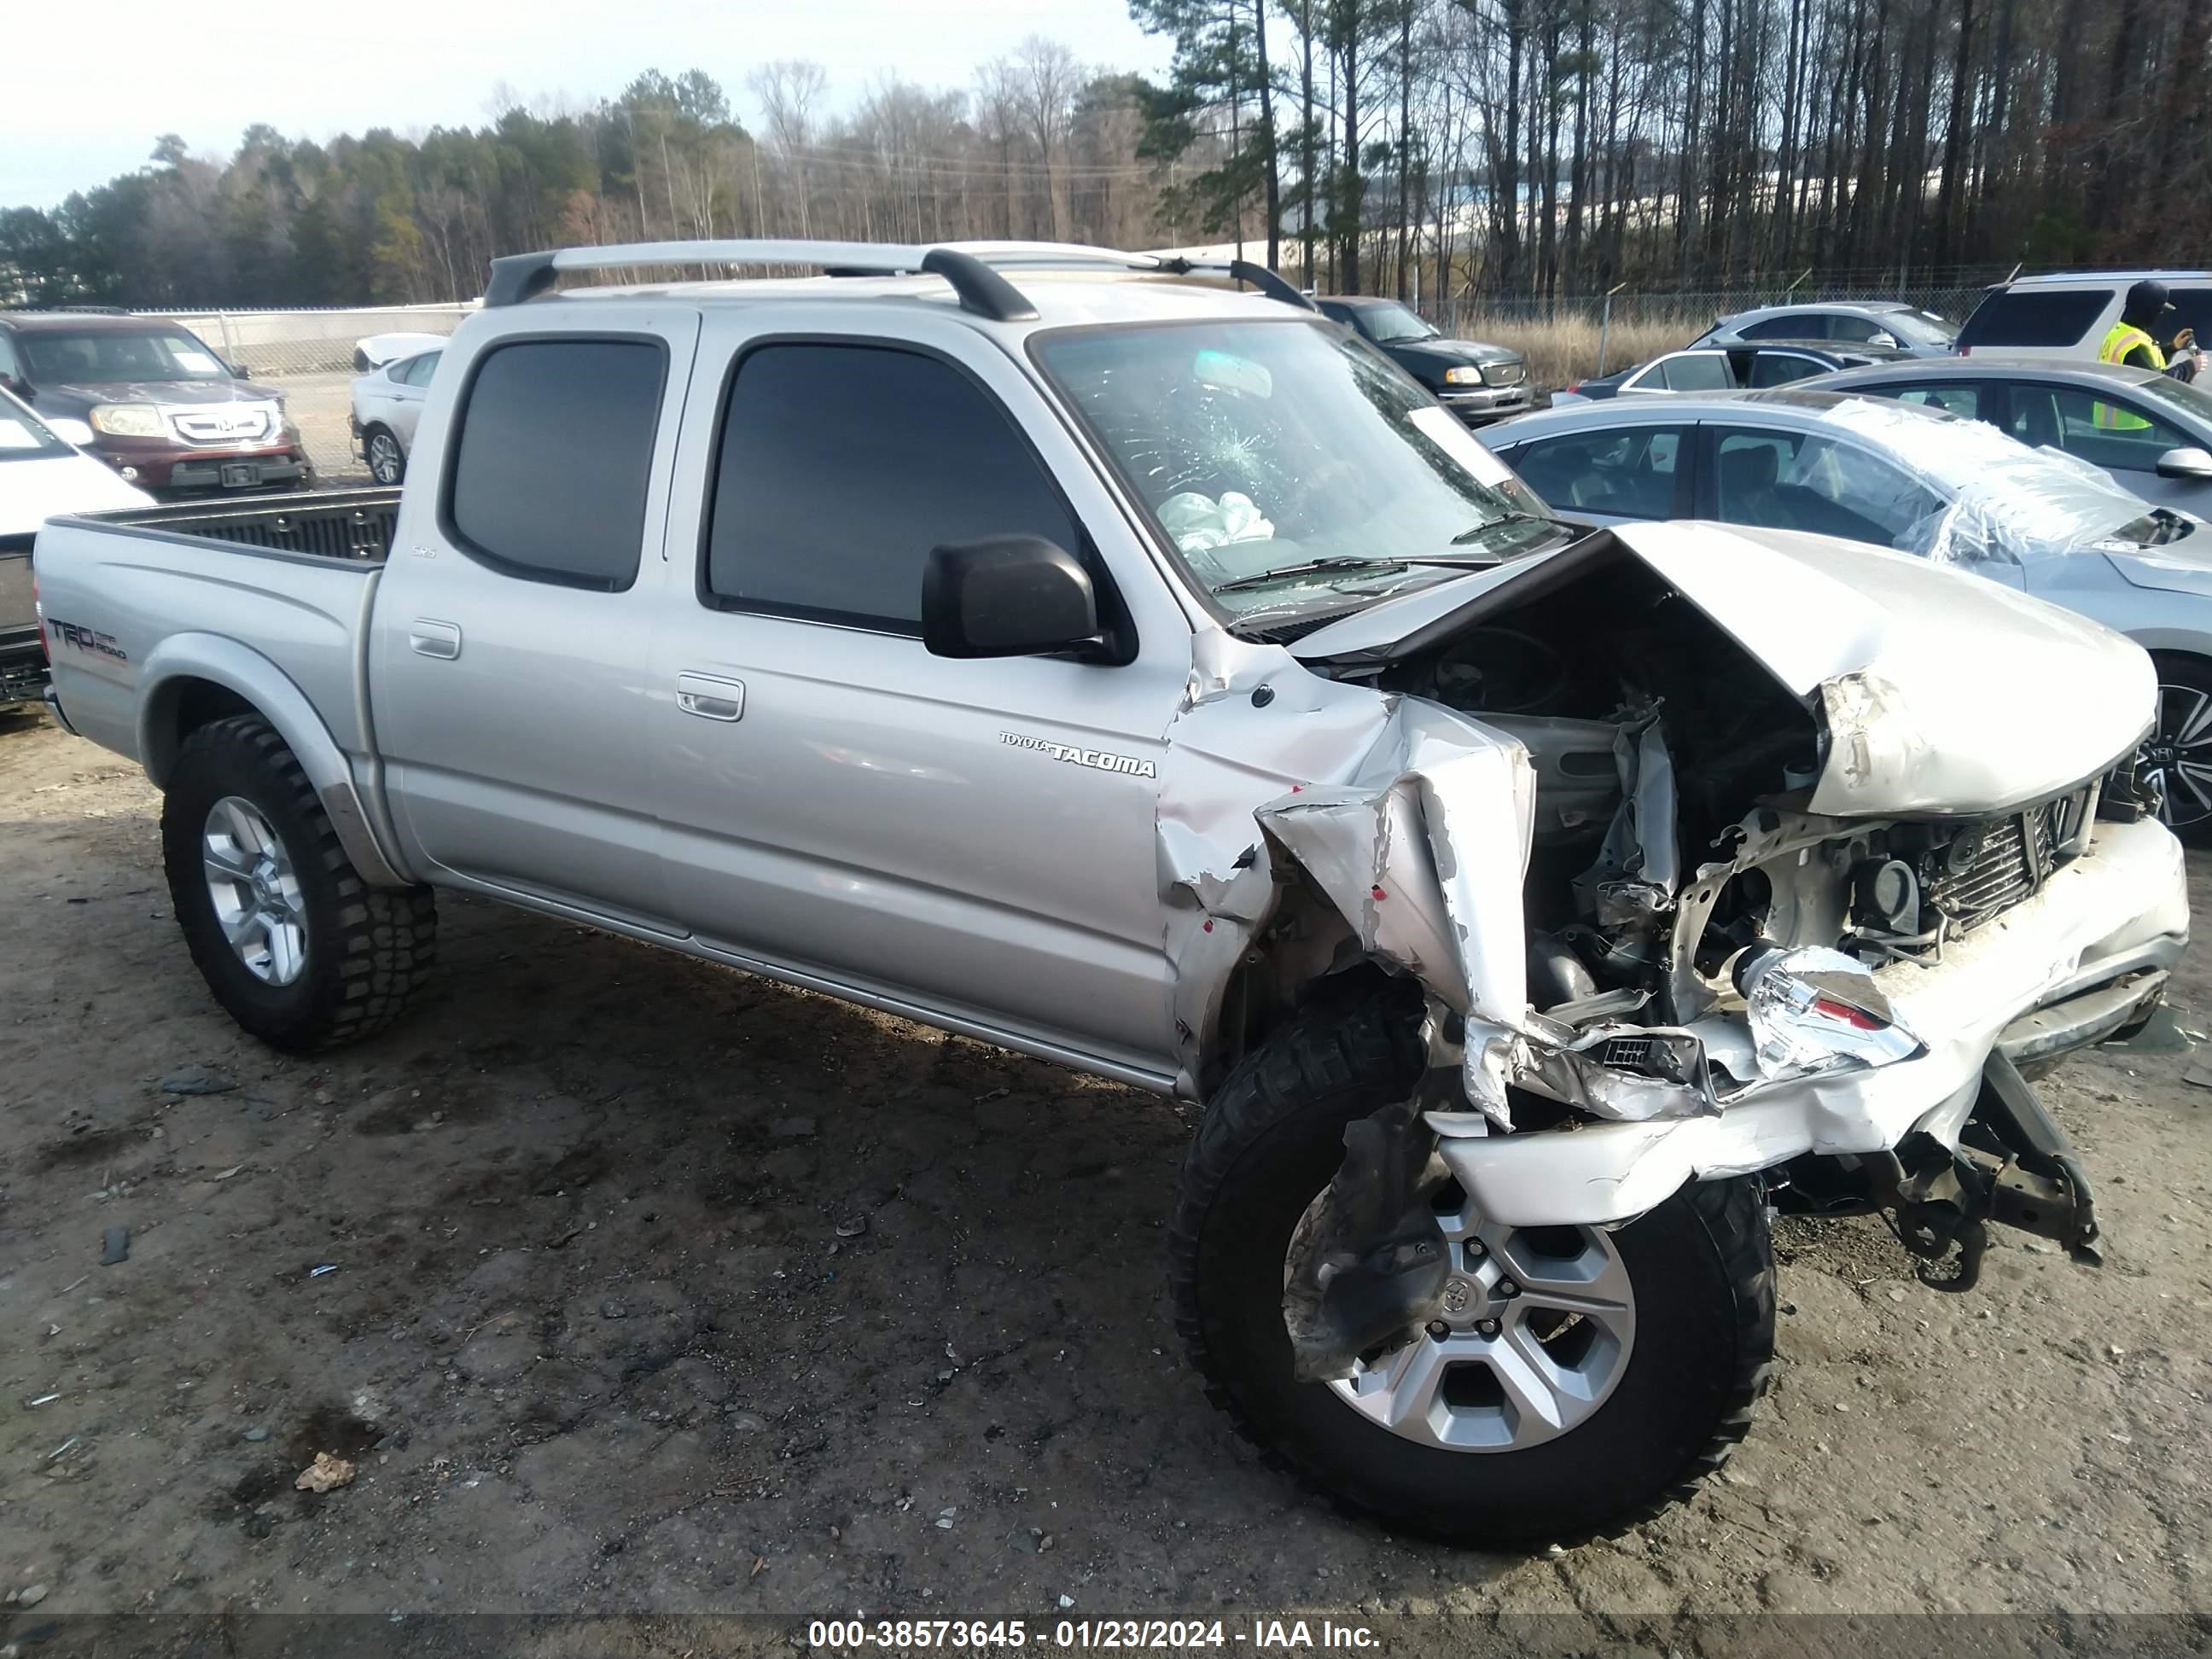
(222,426)
(2012,855)
(1505,373)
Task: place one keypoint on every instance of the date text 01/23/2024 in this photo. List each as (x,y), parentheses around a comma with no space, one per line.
(1257,1636)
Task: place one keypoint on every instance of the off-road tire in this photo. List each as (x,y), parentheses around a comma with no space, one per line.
(369,949)
(1701,1264)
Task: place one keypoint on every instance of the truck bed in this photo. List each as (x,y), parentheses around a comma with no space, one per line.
(354,525)
(268,597)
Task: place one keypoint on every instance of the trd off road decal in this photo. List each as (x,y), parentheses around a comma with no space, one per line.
(85,639)
(1097,759)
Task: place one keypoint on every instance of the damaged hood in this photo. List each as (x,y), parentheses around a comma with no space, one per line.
(1943,693)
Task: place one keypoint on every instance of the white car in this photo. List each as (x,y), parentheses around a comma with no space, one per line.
(2067,314)
(41,475)
(374,351)
(387,405)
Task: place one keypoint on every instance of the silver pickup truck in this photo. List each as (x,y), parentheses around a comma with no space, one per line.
(1059,647)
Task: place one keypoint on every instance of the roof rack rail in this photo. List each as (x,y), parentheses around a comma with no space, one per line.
(972,268)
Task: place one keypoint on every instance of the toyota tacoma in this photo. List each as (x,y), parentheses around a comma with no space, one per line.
(1045,645)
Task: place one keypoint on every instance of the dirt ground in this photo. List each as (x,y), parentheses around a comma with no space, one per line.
(652,1286)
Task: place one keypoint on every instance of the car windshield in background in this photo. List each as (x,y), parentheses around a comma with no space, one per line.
(1920,328)
(103,356)
(23,435)
(1385,325)
(1287,464)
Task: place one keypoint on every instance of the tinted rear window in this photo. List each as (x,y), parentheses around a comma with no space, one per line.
(553,458)
(2034,317)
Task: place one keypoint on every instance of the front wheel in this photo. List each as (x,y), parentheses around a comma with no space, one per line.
(297,948)
(2179,750)
(1577,1379)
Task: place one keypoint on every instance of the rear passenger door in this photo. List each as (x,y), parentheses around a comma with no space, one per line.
(843,807)
(511,675)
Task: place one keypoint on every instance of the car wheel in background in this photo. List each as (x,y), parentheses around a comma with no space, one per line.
(2180,748)
(387,463)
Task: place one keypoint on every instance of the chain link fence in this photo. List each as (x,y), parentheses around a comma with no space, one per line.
(282,342)
(1575,336)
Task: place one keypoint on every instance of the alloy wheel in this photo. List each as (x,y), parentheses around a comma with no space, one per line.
(2180,754)
(1534,1334)
(257,901)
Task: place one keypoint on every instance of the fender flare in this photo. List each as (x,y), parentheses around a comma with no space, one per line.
(272,694)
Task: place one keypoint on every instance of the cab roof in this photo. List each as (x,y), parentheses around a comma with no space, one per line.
(1073,283)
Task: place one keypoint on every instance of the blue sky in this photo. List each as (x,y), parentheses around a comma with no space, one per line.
(320,68)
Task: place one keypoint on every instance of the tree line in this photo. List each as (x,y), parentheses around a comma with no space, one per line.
(1540,148)
(1475,148)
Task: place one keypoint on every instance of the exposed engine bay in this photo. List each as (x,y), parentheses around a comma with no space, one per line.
(1675,853)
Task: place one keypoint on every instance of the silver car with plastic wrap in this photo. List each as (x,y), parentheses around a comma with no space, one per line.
(1923,481)
(1042,643)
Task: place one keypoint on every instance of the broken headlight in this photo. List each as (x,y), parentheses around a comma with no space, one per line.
(1813,1009)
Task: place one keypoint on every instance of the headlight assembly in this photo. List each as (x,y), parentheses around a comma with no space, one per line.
(126,420)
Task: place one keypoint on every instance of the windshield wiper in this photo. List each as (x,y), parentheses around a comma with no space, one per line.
(1309,567)
(1466,537)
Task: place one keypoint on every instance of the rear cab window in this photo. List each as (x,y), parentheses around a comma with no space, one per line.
(551,459)
(2034,317)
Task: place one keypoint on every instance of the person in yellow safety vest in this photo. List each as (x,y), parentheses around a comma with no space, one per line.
(2129,340)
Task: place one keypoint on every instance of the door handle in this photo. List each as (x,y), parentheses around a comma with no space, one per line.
(426,638)
(710,698)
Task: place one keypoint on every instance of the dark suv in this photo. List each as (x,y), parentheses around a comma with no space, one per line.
(1477,382)
(162,408)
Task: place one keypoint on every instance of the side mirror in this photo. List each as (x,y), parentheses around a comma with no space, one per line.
(1882,336)
(238,371)
(70,430)
(2185,463)
(16,385)
(1007,596)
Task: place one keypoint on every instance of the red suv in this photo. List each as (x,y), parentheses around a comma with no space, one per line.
(164,411)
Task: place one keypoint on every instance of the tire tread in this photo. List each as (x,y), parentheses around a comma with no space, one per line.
(385,938)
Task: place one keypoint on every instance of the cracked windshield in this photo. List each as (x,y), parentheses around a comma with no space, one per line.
(1291,467)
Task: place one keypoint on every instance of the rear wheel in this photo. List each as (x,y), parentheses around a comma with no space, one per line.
(1577,1379)
(387,465)
(297,948)
(2179,750)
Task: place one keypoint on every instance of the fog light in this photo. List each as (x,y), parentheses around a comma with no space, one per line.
(1814,1009)
(127,471)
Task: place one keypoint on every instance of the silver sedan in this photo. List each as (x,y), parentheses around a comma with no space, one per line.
(1924,483)
(2151,435)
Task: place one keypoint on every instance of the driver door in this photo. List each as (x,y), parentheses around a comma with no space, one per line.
(972,840)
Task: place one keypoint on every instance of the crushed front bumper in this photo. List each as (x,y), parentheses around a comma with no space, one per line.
(2055,951)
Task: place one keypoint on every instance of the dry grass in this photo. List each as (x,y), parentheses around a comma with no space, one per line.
(1565,349)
